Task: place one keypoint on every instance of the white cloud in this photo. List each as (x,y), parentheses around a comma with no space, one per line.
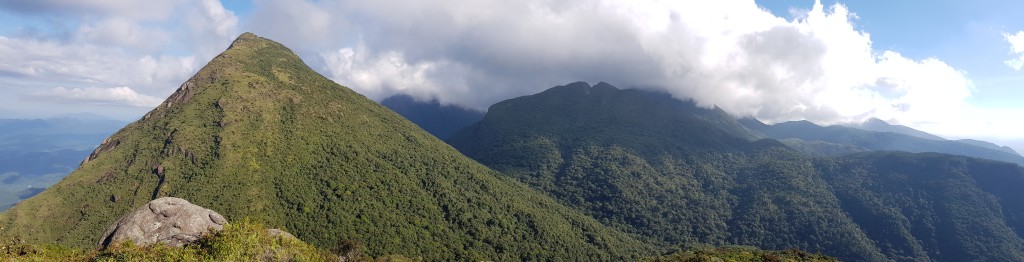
(124,33)
(141,10)
(118,96)
(295,23)
(85,64)
(151,46)
(210,27)
(730,53)
(382,74)
(1017,49)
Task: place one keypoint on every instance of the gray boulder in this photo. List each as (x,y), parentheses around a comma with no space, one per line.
(168,220)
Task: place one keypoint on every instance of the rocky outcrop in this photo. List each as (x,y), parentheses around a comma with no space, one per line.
(280,233)
(168,220)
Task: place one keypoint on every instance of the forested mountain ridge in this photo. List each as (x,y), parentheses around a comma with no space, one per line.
(855,140)
(608,115)
(663,168)
(933,207)
(257,134)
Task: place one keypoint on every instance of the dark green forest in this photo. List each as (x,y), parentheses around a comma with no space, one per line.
(666,169)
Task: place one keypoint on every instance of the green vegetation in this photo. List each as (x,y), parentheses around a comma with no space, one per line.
(933,206)
(258,134)
(741,254)
(247,241)
(244,241)
(646,164)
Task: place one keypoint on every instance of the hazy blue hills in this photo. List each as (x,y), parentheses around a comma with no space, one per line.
(850,140)
(35,153)
(878,125)
(55,133)
(989,145)
(442,121)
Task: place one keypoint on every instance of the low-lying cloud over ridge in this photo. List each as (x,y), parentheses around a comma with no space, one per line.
(733,54)
(815,65)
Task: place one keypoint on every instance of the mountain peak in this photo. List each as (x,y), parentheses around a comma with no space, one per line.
(603,85)
(248,35)
(580,89)
(252,64)
(256,133)
(579,86)
(876,121)
(878,125)
(248,39)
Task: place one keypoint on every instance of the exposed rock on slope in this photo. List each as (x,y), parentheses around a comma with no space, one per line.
(168,220)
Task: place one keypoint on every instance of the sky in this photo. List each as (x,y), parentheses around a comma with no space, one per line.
(951,68)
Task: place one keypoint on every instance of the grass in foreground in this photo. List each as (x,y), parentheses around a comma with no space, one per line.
(741,254)
(244,241)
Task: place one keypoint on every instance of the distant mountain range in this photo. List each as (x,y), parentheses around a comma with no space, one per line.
(877,125)
(839,140)
(442,121)
(35,153)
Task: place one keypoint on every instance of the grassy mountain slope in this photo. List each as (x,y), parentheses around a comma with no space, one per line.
(740,254)
(649,164)
(645,163)
(257,134)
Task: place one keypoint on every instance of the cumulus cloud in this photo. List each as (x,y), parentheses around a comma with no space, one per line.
(209,27)
(88,64)
(731,53)
(295,23)
(154,9)
(818,66)
(117,96)
(124,33)
(382,74)
(1016,49)
(151,46)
